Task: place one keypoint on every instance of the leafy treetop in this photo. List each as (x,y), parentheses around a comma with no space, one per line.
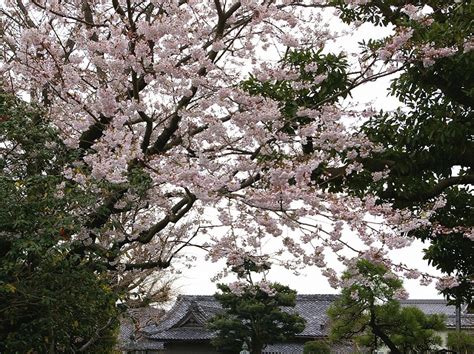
(368,311)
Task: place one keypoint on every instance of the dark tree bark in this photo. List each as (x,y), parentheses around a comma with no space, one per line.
(379,333)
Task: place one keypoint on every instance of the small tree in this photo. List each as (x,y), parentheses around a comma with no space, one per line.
(258,313)
(417,331)
(316,347)
(368,310)
(461,342)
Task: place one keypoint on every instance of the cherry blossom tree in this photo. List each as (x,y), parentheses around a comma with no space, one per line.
(149,95)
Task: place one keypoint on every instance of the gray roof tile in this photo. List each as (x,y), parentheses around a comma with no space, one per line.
(183,333)
(185,321)
(430,307)
(311,307)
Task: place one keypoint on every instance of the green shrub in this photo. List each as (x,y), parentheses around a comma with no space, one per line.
(462,342)
(316,347)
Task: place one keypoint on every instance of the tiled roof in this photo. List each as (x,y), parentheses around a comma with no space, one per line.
(313,309)
(430,307)
(142,344)
(201,308)
(183,333)
(467,321)
(297,348)
(185,321)
(439,306)
(290,348)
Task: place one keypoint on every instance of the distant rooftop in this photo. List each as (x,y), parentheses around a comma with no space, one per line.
(186,320)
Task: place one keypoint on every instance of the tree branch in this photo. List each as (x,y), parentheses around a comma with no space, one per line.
(436,190)
(96,335)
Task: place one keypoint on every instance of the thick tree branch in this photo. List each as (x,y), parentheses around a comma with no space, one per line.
(175,118)
(177,212)
(379,333)
(77,19)
(100,216)
(437,189)
(172,126)
(93,133)
(96,335)
(148,265)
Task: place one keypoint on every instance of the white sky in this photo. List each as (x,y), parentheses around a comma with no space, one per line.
(196,280)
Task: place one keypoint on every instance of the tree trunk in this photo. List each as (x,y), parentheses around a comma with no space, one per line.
(52,345)
(257,347)
(379,333)
(458,317)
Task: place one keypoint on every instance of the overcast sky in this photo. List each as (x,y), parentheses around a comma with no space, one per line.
(196,280)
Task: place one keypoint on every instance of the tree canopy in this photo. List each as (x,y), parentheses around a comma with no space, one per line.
(255,316)
(57,295)
(461,341)
(316,347)
(256,313)
(368,310)
(418,167)
(427,145)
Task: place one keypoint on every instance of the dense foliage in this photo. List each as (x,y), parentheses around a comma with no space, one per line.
(368,310)
(181,122)
(462,342)
(50,299)
(255,316)
(424,161)
(255,313)
(427,145)
(316,347)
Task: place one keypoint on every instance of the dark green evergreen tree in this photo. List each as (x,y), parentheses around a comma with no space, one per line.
(51,299)
(257,313)
(462,342)
(368,311)
(316,347)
